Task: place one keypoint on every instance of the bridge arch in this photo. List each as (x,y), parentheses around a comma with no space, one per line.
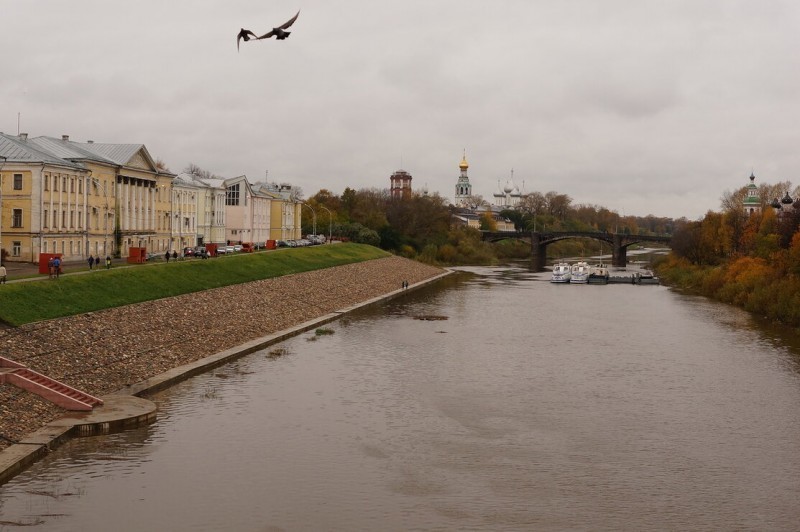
(540,240)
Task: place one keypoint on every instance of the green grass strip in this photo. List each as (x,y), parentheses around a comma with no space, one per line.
(32,301)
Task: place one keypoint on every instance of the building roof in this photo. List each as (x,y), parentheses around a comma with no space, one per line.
(65,149)
(21,150)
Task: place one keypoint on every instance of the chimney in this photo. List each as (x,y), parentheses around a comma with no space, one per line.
(23,136)
(65,138)
(89,142)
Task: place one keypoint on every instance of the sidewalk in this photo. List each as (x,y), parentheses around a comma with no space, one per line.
(23,271)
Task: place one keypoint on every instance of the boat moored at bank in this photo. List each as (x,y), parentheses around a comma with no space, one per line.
(579,272)
(599,274)
(561,273)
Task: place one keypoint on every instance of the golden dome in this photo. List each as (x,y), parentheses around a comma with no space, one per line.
(463,164)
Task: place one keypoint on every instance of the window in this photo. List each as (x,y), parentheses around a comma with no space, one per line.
(55,186)
(44,221)
(16,218)
(47,185)
(16,248)
(71,184)
(17,181)
(232,195)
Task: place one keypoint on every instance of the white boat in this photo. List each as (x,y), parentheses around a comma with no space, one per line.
(561,273)
(646,277)
(579,272)
(599,274)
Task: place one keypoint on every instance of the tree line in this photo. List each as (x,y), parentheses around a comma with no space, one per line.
(749,260)
(425,227)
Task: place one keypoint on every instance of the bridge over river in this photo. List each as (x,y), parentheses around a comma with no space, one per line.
(539,240)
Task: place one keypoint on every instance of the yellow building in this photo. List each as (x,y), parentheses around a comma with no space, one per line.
(285,213)
(210,209)
(80,199)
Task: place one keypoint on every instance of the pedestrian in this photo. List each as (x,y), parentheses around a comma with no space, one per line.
(2,274)
(166,256)
(175,255)
(97,262)
(50,267)
(108,262)
(90,260)
(57,266)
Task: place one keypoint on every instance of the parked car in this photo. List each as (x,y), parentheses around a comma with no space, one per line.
(237,248)
(188,252)
(282,244)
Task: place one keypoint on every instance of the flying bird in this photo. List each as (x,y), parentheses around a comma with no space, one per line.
(279,32)
(246,35)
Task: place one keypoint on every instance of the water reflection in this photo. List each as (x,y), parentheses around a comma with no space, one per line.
(532,406)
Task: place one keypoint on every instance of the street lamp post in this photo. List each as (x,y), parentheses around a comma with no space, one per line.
(330,221)
(313,217)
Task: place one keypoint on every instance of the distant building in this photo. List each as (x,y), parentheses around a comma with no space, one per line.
(463,186)
(285,210)
(80,198)
(198,211)
(786,205)
(509,195)
(400,184)
(752,203)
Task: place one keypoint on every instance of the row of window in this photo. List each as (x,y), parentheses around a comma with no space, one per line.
(66,182)
(16,220)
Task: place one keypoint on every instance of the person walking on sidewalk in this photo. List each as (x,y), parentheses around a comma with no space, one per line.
(57,266)
(108,262)
(90,260)
(2,274)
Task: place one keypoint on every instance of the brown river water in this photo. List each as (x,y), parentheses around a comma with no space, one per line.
(532,406)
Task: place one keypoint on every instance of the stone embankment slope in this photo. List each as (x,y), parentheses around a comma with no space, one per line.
(104,351)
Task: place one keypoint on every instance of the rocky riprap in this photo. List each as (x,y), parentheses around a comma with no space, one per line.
(101,352)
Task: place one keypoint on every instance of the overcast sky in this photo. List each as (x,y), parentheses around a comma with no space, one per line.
(642,106)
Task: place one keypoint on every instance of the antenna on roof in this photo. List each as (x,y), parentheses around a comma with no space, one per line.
(18,123)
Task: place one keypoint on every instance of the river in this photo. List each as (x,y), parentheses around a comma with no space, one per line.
(517,404)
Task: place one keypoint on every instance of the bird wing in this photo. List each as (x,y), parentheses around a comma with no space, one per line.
(281,27)
(267,35)
(244,34)
(290,21)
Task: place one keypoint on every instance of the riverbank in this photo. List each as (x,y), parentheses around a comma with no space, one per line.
(768,290)
(80,290)
(101,352)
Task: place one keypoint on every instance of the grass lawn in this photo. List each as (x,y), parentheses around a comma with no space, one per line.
(32,301)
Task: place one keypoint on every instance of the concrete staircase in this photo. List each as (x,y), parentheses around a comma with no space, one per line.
(56,392)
